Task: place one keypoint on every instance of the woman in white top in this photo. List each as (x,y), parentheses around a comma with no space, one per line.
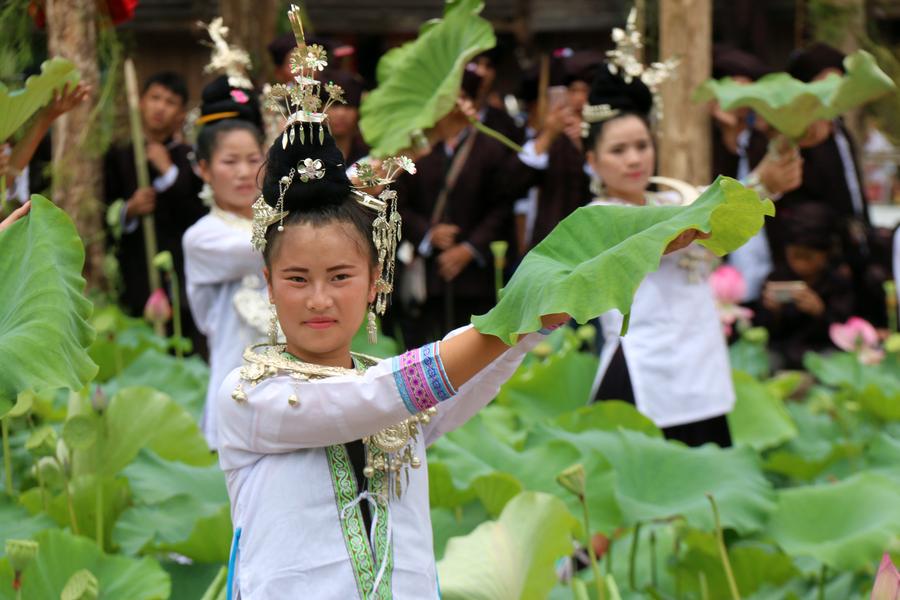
(223,272)
(673,362)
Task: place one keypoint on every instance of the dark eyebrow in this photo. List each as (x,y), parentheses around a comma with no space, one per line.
(305,270)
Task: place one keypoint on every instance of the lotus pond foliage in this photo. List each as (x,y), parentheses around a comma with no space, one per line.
(111,492)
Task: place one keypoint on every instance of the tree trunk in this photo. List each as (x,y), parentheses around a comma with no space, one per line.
(251,26)
(684,146)
(77,170)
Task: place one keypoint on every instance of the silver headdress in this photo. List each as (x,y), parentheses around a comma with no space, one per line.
(305,120)
(231,60)
(624,61)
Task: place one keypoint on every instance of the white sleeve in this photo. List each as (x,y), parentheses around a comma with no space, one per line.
(532,159)
(478,392)
(212,257)
(283,414)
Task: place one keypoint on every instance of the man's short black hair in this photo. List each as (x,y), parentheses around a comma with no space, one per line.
(173,82)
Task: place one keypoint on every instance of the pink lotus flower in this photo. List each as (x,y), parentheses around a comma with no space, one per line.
(728,285)
(157,309)
(239,97)
(729,288)
(857,335)
(887,581)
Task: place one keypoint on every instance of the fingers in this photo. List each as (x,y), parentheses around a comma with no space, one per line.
(15,215)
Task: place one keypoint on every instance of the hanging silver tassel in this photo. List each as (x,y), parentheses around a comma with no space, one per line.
(372,328)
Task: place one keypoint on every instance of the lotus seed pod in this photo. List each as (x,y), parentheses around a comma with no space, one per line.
(20,553)
(82,585)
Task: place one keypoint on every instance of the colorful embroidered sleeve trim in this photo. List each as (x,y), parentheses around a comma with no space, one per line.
(437,354)
(420,378)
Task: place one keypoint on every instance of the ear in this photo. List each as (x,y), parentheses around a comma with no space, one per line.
(268,275)
(373,286)
(205,171)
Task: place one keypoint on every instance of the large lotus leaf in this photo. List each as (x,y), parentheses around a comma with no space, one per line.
(43,317)
(184,379)
(656,479)
(191,581)
(551,387)
(177,507)
(790,106)
(512,557)
(449,523)
(141,417)
(421,81)
(820,443)
(60,554)
(120,341)
(759,418)
(755,566)
(846,525)
(595,259)
(608,415)
(83,492)
(17,106)
(17,524)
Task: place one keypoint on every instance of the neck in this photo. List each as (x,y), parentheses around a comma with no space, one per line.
(629,197)
(242,211)
(338,358)
(156,136)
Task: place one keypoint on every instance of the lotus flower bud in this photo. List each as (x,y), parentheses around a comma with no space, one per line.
(887,581)
(586,333)
(163,261)
(728,285)
(573,479)
(542,350)
(20,553)
(157,309)
(498,249)
(82,585)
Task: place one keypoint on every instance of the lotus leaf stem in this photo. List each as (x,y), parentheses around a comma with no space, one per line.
(632,558)
(723,551)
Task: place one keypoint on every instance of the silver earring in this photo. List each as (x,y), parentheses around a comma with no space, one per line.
(372,327)
(273,326)
(597,187)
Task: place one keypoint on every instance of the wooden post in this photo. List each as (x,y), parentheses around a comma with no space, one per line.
(77,170)
(684,144)
(251,25)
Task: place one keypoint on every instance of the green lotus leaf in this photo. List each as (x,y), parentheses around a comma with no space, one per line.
(596,258)
(846,525)
(565,377)
(141,417)
(176,508)
(419,82)
(43,319)
(656,479)
(449,523)
(759,418)
(512,557)
(192,581)
(608,415)
(183,379)
(16,523)
(61,555)
(755,566)
(791,106)
(120,341)
(17,106)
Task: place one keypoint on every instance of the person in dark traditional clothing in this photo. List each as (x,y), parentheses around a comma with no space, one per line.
(458,202)
(556,152)
(832,176)
(740,150)
(810,290)
(171,197)
(490,107)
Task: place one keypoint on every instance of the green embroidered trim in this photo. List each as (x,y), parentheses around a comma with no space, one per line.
(355,536)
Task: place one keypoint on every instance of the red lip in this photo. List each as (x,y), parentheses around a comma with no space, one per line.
(637,175)
(320,323)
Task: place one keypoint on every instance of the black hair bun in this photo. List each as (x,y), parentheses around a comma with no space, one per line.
(609,88)
(220,97)
(332,189)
